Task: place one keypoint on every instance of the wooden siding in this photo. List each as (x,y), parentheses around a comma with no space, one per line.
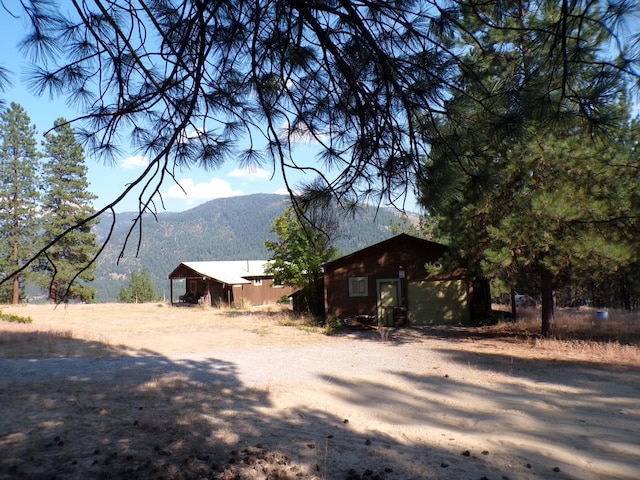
(258,290)
(402,257)
(215,293)
(264,294)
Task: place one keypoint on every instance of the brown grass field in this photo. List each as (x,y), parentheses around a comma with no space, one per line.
(152,391)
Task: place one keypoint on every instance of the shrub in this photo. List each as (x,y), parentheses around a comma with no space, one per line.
(8,317)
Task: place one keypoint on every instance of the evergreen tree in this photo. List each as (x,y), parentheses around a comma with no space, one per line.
(67,265)
(522,186)
(611,279)
(355,77)
(140,289)
(19,196)
(358,78)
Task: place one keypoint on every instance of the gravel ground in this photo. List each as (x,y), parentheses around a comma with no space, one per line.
(279,403)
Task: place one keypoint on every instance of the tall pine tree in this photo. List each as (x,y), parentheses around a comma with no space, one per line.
(19,196)
(524,189)
(67,266)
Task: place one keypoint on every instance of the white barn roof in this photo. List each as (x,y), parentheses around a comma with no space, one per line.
(233,272)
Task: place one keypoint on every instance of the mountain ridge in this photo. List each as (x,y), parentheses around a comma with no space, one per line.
(233,228)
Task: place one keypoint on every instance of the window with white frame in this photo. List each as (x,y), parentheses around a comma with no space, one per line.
(257,282)
(358,287)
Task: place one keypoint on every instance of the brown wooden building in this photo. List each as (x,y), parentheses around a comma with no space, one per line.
(226,283)
(389,281)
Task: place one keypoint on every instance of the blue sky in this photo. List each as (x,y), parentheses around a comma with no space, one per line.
(108,181)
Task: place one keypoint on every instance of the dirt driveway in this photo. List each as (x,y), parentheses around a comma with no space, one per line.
(149,391)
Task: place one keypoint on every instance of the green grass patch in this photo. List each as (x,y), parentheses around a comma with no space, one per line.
(9,317)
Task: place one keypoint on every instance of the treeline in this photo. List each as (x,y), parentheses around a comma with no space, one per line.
(43,192)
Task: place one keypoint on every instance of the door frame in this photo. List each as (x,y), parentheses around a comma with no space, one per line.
(379,312)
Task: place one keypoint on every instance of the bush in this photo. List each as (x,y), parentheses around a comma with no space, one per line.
(285,300)
(333,324)
(7,317)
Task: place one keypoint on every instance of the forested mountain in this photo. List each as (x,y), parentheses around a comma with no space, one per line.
(223,229)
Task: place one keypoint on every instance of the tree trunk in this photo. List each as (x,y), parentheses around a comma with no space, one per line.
(546,282)
(16,277)
(53,292)
(16,290)
(514,311)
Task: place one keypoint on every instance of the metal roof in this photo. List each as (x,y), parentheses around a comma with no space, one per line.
(233,272)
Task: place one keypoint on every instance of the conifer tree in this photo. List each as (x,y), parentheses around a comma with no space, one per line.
(521,182)
(140,289)
(67,266)
(19,196)
(198,83)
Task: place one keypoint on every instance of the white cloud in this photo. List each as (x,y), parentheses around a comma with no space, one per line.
(284,191)
(199,192)
(300,134)
(185,136)
(131,163)
(250,173)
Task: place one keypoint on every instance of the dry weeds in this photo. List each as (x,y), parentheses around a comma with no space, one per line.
(577,333)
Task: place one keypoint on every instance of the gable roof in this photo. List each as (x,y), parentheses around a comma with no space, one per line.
(394,242)
(232,272)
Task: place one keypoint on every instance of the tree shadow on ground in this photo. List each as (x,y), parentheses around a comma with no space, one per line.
(143,415)
(578,409)
(538,419)
(418,334)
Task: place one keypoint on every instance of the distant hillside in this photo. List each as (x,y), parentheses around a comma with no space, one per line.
(223,229)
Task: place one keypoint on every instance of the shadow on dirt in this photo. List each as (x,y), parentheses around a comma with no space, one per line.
(418,334)
(144,415)
(513,419)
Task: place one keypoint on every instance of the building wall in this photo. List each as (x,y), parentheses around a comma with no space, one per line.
(403,259)
(260,292)
(440,302)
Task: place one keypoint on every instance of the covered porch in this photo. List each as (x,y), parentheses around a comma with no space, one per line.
(203,286)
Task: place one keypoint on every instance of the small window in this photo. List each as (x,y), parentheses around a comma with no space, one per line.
(257,282)
(358,287)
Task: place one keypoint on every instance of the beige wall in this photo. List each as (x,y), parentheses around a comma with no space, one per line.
(438,302)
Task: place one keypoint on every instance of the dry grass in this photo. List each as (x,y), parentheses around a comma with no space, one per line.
(42,343)
(173,426)
(579,334)
(154,328)
(165,427)
(115,329)
(583,323)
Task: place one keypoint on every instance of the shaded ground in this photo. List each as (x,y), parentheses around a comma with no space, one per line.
(161,393)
